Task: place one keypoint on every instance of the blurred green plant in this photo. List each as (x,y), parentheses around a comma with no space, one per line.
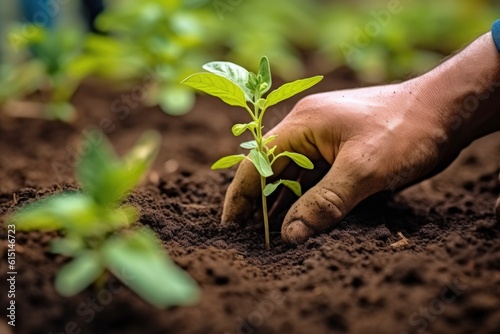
(281,29)
(237,86)
(19,80)
(50,69)
(94,224)
(387,40)
(172,38)
(164,37)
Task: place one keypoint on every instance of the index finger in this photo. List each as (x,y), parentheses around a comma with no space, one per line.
(241,194)
(246,188)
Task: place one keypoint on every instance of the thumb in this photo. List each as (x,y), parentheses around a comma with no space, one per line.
(346,184)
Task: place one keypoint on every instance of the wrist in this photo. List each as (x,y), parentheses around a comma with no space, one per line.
(463,93)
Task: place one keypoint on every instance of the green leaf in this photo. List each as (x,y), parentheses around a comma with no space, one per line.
(217,86)
(265,74)
(67,246)
(175,100)
(293,185)
(290,89)
(67,211)
(127,213)
(252,83)
(270,188)
(62,111)
(108,179)
(298,158)
(19,81)
(116,218)
(261,163)
(261,103)
(138,160)
(97,169)
(144,152)
(249,144)
(73,213)
(269,139)
(79,273)
(238,129)
(271,150)
(233,72)
(140,262)
(228,161)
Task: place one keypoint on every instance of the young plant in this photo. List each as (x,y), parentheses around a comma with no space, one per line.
(238,87)
(267,32)
(18,80)
(165,39)
(94,225)
(52,54)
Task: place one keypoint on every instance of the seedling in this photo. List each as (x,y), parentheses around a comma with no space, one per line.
(155,39)
(94,224)
(54,73)
(238,87)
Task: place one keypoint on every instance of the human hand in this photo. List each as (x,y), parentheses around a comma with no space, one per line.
(374,139)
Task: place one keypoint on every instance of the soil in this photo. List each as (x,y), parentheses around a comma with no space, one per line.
(349,280)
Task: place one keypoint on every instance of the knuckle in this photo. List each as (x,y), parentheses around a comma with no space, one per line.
(307,105)
(377,176)
(331,204)
(365,165)
(307,114)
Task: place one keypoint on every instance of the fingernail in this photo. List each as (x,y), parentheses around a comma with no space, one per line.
(297,232)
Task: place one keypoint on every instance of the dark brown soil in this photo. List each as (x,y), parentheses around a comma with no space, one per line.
(350,280)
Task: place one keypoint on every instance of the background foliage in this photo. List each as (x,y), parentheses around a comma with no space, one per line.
(176,37)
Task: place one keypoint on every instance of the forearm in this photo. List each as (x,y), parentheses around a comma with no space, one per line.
(466,91)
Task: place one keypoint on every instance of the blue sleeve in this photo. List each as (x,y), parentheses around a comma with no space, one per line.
(495,33)
(39,12)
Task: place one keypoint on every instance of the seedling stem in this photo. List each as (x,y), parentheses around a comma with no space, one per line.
(238,87)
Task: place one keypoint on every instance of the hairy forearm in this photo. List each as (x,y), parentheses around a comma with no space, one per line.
(466,91)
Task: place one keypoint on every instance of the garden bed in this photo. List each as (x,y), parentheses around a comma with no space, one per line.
(349,280)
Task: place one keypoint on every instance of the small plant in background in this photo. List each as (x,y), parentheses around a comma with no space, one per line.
(267,32)
(378,40)
(53,74)
(238,87)
(18,80)
(168,38)
(94,224)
